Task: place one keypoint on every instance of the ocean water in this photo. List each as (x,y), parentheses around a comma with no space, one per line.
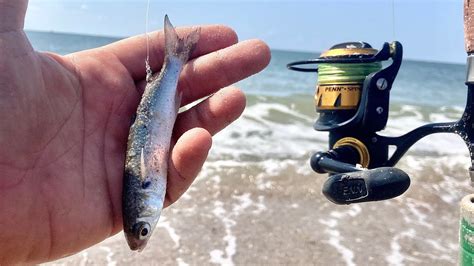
(257,201)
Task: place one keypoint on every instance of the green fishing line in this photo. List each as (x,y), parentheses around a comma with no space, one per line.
(346,73)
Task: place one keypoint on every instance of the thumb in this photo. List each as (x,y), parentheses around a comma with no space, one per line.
(12,15)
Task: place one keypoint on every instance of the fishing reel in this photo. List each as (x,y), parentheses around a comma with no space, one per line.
(352,100)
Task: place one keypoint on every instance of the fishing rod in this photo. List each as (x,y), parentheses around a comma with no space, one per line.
(352,99)
(466,227)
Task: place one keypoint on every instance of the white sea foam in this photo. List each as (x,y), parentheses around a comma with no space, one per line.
(275,144)
(417,209)
(451,188)
(181,262)
(224,257)
(439,253)
(255,137)
(335,239)
(331,223)
(260,205)
(165,224)
(242,203)
(451,183)
(396,257)
(411,117)
(84,259)
(109,255)
(263,110)
(353,211)
(186,196)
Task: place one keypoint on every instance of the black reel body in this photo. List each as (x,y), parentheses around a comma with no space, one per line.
(352,100)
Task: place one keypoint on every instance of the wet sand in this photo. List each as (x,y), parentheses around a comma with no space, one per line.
(231,217)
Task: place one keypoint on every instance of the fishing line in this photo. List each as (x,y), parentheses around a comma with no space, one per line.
(147,60)
(393,20)
(346,73)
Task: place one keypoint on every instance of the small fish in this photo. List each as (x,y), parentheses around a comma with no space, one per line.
(146,163)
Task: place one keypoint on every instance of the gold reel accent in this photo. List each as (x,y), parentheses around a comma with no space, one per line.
(337,97)
(359,146)
(349,51)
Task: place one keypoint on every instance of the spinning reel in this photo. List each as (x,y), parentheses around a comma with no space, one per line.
(352,100)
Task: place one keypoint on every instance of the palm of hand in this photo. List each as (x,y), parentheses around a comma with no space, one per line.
(64,127)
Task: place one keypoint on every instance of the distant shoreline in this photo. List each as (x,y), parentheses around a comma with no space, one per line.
(117,38)
(75,34)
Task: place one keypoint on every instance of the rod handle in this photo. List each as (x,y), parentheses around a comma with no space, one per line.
(469,25)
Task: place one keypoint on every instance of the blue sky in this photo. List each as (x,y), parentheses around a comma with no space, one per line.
(429,30)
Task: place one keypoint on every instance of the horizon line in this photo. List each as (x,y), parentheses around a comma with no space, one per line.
(117,38)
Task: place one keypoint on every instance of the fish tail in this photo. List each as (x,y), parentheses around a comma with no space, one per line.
(180,48)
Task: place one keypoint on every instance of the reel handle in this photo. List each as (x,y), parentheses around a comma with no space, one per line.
(338,160)
(351,184)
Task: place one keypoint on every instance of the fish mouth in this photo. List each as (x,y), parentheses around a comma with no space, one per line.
(136,244)
(138,236)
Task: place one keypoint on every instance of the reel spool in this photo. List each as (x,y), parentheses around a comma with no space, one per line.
(339,86)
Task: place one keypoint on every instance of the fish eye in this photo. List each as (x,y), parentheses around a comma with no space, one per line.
(142,230)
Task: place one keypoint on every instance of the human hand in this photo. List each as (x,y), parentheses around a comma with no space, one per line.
(64,126)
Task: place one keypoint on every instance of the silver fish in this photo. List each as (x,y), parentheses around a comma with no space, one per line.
(146,163)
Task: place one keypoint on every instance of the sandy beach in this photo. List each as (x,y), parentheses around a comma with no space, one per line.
(277,216)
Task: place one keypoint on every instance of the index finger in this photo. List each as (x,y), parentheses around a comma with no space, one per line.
(132,52)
